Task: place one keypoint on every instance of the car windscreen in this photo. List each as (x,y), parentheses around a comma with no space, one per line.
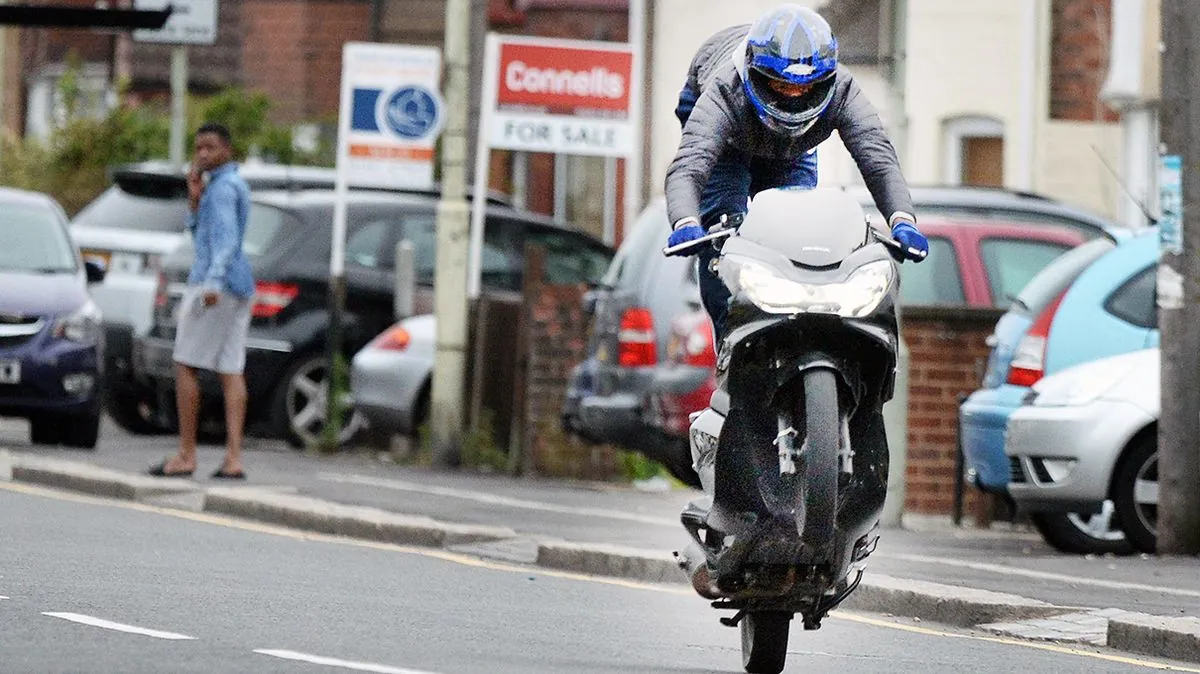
(161,211)
(34,240)
(267,230)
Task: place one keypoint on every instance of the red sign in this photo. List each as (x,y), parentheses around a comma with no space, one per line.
(565,80)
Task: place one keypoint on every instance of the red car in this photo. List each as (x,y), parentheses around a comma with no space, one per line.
(979,264)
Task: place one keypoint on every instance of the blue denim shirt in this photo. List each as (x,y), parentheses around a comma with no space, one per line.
(218,228)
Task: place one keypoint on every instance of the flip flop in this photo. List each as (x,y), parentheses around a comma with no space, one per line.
(222,475)
(161,471)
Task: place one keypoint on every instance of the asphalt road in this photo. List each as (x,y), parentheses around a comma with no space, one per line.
(1003,561)
(96,586)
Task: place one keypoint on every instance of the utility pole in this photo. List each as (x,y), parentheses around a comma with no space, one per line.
(1178,524)
(453,227)
(179,90)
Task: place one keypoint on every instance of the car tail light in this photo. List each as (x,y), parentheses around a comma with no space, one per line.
(637,343)
(395,338)
(272,298)
(1029,358)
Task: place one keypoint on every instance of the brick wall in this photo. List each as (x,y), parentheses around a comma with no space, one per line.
(555,340)
(293,52)
(1079,44)
(947,353)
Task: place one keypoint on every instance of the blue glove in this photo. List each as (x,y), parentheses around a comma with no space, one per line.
(907,234)
(685,234)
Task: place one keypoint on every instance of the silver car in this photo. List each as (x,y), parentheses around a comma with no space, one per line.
(1086,442)
(390,376)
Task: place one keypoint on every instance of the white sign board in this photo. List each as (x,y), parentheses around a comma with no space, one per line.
(191,22)
(560,96)
(391,115)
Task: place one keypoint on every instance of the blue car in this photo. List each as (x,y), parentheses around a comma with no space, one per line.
(1094,301)
(51,342)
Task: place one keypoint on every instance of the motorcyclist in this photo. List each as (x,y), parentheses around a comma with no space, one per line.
(758,100)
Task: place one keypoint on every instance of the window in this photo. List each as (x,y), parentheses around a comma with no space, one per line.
(117,209)
(935,282)
(645,238)
(364,246)
(1048,283)
(974,148)
(1135,301)
(501,263)
(570,259)
(263,228)
(1011,263)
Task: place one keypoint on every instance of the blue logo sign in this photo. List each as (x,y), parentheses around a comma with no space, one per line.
(412,113)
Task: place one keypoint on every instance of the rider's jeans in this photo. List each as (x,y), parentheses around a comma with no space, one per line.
(734,180)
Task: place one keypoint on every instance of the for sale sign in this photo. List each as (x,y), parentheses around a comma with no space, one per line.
(560,96)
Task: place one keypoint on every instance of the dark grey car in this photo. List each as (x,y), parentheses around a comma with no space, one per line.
(643,292)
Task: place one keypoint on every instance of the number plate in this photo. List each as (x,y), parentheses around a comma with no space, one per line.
(10,372)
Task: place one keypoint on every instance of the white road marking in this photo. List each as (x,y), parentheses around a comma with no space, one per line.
(334,662)
(2,598)
(1044,575)
(109,625)
(492,499)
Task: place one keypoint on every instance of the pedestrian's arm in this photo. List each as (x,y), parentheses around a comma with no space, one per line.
(704,137)
(223,234)
(867,141)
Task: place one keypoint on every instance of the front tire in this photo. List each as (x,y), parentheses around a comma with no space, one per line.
(823,437)
(299,410)
(764,641)
(1135,494)
(1079,534)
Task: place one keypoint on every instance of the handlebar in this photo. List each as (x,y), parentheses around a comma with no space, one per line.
(715,234)
(899,252)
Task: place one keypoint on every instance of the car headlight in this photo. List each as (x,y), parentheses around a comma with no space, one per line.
(856,297)
(83,326)
(1078,386)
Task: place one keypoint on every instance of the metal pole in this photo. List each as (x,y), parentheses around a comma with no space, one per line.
(482,166)
(1178,524)
(179,91)
(633,163)
(337,266)
(405,280)
(453,230)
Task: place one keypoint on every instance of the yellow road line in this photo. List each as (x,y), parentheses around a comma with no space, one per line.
(466,560)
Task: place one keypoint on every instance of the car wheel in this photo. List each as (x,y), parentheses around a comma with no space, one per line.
(132,411)
(45,431)
(1080,534)
(1135,494)
(300,404)
(81,432)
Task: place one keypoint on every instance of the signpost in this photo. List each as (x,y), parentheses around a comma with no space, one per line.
(192,22)
(390,117)
(556,96)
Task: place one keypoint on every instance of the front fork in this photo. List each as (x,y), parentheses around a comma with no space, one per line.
(785,443)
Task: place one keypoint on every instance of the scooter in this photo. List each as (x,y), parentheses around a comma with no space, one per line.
(791,452)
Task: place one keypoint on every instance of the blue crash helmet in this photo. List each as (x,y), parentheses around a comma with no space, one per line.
(790,67)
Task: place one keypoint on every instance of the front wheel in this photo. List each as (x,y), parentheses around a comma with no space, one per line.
(764,641)
(822,441)
(1135,494)
(300,408)
(1080,534)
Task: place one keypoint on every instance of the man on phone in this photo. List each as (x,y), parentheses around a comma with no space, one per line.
(214,315)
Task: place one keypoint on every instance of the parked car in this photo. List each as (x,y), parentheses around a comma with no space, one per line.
(129,228)
(288,244)
(1086,442)
(51,343)
(1095,302)
(390,377)
(631,392)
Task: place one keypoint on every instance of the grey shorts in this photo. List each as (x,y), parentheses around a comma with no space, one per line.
(212,338)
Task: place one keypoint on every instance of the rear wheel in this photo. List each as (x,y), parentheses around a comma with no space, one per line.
(822,435)
(1080,534)
(300,409)
(132,409)
(764,641)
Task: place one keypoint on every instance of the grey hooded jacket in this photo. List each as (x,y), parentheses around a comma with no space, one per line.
(723,117)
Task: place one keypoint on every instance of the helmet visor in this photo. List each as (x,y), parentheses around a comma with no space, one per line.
(791,103)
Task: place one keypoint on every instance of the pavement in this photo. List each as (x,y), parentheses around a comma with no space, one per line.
(1002,581)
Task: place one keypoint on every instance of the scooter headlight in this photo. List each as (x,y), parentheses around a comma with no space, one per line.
(855,297)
